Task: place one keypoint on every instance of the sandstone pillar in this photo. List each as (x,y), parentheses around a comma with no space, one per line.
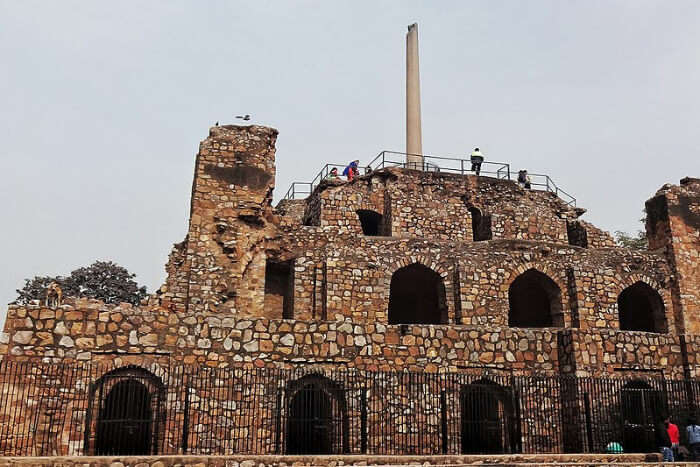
(414,139)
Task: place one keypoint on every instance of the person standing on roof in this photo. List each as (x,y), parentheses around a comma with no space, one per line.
(476,159)
(351,171)
(524,179)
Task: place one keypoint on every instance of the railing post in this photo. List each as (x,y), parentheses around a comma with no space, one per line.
(443,419)
(461,169)
(186,418)
(278,420)
(589,426)
(363,420)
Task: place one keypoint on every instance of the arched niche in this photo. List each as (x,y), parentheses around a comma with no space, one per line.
(534,301)
(641,308)
(417,296)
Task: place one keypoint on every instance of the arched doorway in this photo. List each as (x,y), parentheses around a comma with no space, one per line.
(417,296)
(641,308)
(316,420)
(535,301)
(487,419)
(128,418)
(641,406)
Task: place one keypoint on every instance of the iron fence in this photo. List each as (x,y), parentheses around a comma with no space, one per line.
(429,163)
(96,409)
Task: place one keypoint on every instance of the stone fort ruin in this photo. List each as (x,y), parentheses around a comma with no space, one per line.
(407,311)
(418,309)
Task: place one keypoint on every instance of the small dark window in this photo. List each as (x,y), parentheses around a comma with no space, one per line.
(417,296)
(641,309)
(535,301)
(371,222)
(279,289)
(481,225)
(577,234)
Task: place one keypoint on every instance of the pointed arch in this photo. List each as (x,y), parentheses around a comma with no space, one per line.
(641,308)
(417,296)
(535,301)
(317,420)
(127,407)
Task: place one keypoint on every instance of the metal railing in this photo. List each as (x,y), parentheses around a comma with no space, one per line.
(430,163)
(98,410)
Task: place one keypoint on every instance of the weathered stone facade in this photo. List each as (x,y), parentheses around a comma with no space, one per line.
(515,282)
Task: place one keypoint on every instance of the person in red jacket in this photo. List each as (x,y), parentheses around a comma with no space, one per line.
(351,171)
(674,435)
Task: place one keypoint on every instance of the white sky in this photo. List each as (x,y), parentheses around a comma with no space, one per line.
(103,104)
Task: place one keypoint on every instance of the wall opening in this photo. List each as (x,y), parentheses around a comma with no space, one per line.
(128,419)
(535,301)
(488,425)
(641,407)
(641,309)
(279,289)
(417,296)
(371,222)
(577,234)
(481,225)
(316,418)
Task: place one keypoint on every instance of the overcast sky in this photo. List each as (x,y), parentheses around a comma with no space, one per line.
(103,105)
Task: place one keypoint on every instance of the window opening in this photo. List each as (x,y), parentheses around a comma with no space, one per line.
(481,225)
(371,222)
(279,289)
(417,296)
(577,234)
(535,301)
(641,309)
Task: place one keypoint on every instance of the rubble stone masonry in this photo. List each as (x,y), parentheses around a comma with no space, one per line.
(328,288)
(397,270)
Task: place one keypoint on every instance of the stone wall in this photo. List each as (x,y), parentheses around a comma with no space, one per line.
(673,224)
(334,283)
(303,287)
(85,330)
(230,209)
(435,205)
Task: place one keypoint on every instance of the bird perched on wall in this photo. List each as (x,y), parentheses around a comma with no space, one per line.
(243,117)
(216,124)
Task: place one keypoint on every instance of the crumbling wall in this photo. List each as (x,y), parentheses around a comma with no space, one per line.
(435,206)
(232,226)
(673,226)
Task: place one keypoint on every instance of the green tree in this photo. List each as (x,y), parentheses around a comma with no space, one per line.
(638,241)
(103,280)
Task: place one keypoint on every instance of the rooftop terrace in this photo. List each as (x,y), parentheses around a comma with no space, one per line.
(448,165)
